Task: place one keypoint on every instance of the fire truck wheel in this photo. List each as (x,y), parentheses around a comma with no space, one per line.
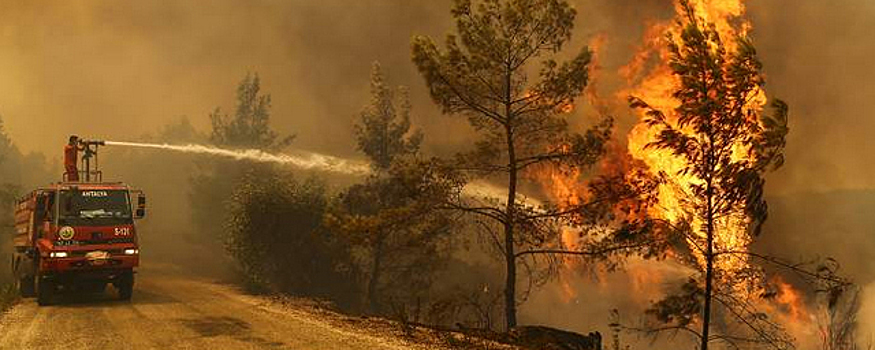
(25,287)
(125,285)
(45,292)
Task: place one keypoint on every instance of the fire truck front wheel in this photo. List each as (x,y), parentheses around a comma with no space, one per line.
(125,285)
(45,291)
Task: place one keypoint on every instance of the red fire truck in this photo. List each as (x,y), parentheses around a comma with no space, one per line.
(77,235)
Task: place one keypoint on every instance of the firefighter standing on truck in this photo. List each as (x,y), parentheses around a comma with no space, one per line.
(71,156)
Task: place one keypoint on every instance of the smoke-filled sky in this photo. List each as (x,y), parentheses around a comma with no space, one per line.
(118,69)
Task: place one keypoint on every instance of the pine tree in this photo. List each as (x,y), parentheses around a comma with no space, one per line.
(726,144)
(483,74)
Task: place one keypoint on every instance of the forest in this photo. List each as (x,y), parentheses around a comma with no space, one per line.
(648,207)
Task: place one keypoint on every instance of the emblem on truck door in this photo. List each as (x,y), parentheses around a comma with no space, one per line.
(66,233)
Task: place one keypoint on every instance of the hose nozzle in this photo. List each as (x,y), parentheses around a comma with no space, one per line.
(92,143)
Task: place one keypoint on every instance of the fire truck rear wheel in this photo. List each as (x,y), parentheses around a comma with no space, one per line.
(23,280)
(26,287)
(125,285)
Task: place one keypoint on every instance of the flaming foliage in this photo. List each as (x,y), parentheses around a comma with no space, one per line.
(705,133)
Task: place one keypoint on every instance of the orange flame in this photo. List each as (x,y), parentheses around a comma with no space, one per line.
(791,300)
(648,76)
(655,85)
(651,79)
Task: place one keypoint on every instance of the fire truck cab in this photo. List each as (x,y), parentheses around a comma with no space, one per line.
(76,236)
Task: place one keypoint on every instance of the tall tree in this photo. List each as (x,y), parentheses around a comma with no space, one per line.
(391,217)
(215,181)
(249,127)
(17,172)
(7,148)
(399,236)
(483,73)
(384,133)
(726,144)
(8,192)
(22,169)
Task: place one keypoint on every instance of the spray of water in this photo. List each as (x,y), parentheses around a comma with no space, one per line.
(311,161)
(303,160)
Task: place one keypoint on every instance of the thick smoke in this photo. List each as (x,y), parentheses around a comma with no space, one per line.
(818,57)
(112,70)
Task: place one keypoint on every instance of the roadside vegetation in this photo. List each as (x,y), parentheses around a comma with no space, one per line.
(8,296)
(399,243)
(408,243)
(17,171)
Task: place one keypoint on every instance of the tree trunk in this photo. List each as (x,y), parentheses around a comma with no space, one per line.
(709,267)
(509,241)
(510,282)
(509,253)
(373,302)
(709,272)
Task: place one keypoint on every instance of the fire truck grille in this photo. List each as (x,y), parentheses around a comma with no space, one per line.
(90,242)
(85,252)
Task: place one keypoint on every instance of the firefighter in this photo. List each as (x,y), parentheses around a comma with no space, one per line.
(71,155)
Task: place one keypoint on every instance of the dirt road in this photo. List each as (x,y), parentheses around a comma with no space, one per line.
(169,311)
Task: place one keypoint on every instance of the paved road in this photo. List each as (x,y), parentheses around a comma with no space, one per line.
(169,311)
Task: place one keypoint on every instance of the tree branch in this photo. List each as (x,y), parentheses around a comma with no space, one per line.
(594,252)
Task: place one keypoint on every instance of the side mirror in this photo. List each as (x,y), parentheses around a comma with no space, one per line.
(140,212)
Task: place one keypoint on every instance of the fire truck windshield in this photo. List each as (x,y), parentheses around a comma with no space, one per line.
(95,207)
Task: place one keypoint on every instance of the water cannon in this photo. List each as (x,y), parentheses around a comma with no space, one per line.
(89,149)
(88,143)
(90,163)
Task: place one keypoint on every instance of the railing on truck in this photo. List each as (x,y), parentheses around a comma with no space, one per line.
(90,163)
(85,176)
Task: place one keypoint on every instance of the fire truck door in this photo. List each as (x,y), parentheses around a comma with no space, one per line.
(43,214)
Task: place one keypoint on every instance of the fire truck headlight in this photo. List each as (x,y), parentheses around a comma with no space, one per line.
(132,251)
(58,254)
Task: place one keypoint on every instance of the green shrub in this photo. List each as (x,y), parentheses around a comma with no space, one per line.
(276,235)
(8,296)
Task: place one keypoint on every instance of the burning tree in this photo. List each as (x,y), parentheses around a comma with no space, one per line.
(483,74)
(716,144)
